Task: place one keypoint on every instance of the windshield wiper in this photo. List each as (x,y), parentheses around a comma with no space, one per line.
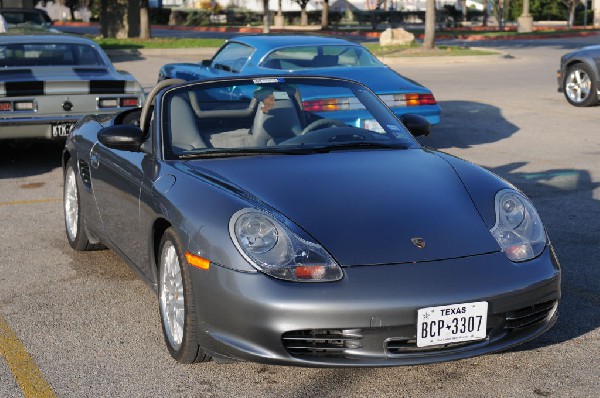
(343,146)
(231,152)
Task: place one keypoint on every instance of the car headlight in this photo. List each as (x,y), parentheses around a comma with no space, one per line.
(518,230)
(276,251)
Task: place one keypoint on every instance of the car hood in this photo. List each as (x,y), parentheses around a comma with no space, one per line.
(364,207)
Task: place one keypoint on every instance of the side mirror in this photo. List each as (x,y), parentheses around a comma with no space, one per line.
(417,125)
(125,137)
(206,63)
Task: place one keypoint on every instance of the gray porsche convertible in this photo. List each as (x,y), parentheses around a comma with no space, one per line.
(274,231)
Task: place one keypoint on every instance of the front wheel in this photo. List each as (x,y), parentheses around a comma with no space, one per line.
(176,301)
(74,224)
(580,86)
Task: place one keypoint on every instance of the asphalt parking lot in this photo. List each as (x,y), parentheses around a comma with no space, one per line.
(82,325)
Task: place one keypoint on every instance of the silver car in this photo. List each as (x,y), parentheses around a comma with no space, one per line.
(48,82)
(274,234)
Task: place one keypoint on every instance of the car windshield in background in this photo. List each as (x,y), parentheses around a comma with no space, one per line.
(277,115)
(41,54)
(302,57)
(23,18)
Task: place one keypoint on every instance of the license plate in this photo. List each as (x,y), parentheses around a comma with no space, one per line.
(61,129)
(451,323)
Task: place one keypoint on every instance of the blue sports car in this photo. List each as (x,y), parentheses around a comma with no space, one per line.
(272,234)
(269,55)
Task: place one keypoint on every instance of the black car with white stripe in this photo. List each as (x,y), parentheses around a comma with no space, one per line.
(48,82)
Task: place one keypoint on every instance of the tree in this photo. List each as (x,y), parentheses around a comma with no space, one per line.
(266,27)
(571,7)
(484,3)
(72,5)
(120,18)
(144,19)
(374,6)
(429,39)
(325,15)
(303,14)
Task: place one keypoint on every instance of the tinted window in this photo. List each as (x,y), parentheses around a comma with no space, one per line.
(303,57)
(232,57)
(23,18)
(35,54)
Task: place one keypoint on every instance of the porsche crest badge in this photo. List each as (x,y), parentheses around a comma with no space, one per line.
(419,242)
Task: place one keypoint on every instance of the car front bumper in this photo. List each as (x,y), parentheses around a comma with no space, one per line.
(369,318)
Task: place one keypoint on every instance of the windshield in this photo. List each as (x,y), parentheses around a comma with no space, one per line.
(277,115)
(303,57)
(42,54)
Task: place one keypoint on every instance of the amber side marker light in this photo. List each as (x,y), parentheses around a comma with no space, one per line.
(197,261)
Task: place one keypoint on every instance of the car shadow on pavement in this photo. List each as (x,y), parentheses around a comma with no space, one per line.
(564,198)
(465,124)
(18,160)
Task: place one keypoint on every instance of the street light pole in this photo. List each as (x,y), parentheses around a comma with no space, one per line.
(525,21)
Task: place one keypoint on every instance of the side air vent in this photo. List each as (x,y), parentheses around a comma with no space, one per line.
(84,172)
(529,316)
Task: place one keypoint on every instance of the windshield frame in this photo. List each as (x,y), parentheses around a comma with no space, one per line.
(397,136)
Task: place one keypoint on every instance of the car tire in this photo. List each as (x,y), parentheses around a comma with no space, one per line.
(74,223)
(580,86)
(176,302)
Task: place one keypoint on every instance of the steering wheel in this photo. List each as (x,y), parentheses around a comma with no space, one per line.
(322,122)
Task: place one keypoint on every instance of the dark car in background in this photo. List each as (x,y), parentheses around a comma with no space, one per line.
(26,18)
(579,76)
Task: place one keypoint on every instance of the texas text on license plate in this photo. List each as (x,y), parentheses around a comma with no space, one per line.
(61,129)
(451,323)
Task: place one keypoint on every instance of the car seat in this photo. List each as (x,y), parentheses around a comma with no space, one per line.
(283,121)
(184,128)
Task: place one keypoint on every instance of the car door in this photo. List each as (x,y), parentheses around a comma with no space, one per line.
(117,179)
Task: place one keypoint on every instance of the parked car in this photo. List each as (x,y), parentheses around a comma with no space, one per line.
(271,234)
(48,82)
(578,76)
(300,54)
(26,18)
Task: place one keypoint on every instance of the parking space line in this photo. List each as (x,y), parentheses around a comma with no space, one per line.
(22,366)
(30,202)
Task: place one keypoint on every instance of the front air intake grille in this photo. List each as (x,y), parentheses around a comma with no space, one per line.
(322,342)
(528,316)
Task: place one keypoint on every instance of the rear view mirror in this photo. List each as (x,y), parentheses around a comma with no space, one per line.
(125,137)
